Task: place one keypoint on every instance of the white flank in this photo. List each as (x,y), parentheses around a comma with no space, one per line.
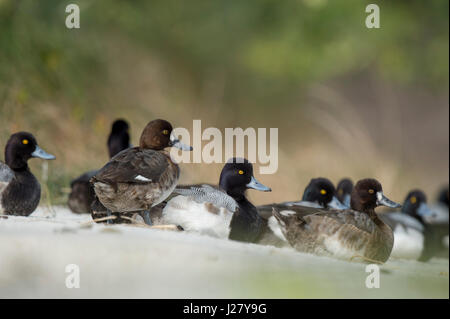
(195,217)
(408,243)
(275,227)
(335,246)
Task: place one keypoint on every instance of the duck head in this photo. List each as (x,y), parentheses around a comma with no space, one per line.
(120,126)
(157,135)
(368,194)
(20,148)
(119,138)
(415,205)
(321,190)
(237,176)
(344,191)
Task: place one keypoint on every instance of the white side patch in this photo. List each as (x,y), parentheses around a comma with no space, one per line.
(408,243)
(275,227)
(195,217)
(142,178)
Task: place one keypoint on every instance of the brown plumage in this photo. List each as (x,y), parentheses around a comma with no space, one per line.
(139,178)
(342,234)
(118,189)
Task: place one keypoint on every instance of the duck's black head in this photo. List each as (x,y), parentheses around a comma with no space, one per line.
(237,176)
(321,190)
(443,196)
(416,206)
(119,126)
(20,148)
(118,139)
(344,190)
(157,135)
(368,194)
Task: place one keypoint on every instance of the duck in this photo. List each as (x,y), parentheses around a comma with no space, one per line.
(344,191)
(221,211)
(20,191)
(410,229)
(82,194)
(139,178)
(346,234)
(319,193)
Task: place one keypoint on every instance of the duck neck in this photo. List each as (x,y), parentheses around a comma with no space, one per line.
(16,163)
(246,225)
(409,210)
(245,206)
(369,209)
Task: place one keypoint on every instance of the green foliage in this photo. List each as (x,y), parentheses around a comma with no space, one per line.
(256,44)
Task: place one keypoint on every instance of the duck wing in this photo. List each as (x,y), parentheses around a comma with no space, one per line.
(134,165)
(334,233)
(300,207)
(6,175)
(348,217)
(320,221)
(207,193)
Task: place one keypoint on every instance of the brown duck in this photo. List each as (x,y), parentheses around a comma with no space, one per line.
(139,178)
(345,234)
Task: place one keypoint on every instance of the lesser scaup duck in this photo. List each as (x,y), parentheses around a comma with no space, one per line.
(409,226)
(356,232)
(319,193)
(20,191)
(139,178)
(344,191)
(221,211)
(82,193)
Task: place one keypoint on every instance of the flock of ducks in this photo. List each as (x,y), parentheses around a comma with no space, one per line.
(139,185)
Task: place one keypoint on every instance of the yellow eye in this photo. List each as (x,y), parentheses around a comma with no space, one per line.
(371,191)
(341,191)
(323,192)
(25,142)
(241,172)
(413,200)
(165,132)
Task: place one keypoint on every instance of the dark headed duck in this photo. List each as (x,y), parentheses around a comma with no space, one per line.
(220,211)
(139,178)
(20,191)
(356,232)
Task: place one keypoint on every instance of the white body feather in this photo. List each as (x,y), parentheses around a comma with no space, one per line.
(196,217)
(408,242)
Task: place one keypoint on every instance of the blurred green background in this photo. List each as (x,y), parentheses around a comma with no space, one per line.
(348,101)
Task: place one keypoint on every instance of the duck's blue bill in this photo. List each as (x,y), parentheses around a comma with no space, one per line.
(258,186)
(424,210)
(174,142)
(336,204)
(39,152)
(383,200)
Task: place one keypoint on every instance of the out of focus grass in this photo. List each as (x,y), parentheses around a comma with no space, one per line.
(348,101)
